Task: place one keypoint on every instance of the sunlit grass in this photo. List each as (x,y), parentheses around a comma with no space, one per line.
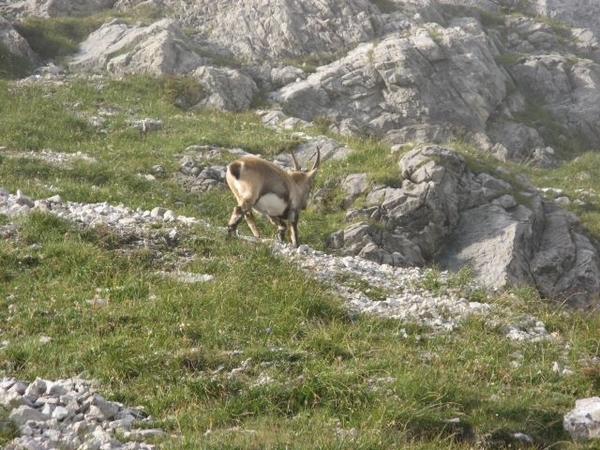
(263,356)
(580,181)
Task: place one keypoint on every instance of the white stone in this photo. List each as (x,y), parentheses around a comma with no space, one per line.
(583,422)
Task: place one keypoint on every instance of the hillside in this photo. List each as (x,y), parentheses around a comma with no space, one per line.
(455,212)
(510,81)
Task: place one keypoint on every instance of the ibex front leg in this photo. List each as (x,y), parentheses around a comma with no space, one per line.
(281,227)
(293,219)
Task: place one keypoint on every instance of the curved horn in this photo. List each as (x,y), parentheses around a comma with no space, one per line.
(318,160)
(296,165)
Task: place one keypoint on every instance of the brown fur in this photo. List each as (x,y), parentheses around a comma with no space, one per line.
(256,183)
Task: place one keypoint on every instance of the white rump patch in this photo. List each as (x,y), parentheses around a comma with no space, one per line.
(271,205)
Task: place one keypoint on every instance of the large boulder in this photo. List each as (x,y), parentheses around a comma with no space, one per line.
(226,89)
(569,90)
(14,43)
(504,230)
(566,263)
(119,48)
(583,421)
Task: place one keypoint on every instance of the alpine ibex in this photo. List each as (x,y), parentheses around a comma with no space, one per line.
(264,187)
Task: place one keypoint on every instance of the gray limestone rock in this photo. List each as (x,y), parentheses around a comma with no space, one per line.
(55,8)
(67,414)
(490,240)
(15,43)
(354,185)
(569,91)
(259,31)
(444,213)
(583,422)
(435,75)
(518,141)
(226,89)
(119,48)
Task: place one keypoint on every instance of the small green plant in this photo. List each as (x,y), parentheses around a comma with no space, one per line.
(183,92)
(371,54)
(562,30)
(509,59)
(322,124)
(490,19)
(520,7)
(435,34)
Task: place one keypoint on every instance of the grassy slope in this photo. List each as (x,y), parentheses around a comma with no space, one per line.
(170,346)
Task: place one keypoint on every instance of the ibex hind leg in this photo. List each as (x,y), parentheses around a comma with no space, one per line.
(252,224)
(236,216)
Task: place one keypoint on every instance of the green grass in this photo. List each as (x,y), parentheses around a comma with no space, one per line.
(313,377)
(580,179)
(13,66)
(56,37)
(8,430)
(29,121)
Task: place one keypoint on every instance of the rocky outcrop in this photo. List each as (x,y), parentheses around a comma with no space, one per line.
(227,89)
(504,230)
(258,31)
(119,48)
(426,71)
(439,82)
(434,75)
(14,43)
(54,8)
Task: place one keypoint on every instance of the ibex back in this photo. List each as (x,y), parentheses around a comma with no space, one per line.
(264,187)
